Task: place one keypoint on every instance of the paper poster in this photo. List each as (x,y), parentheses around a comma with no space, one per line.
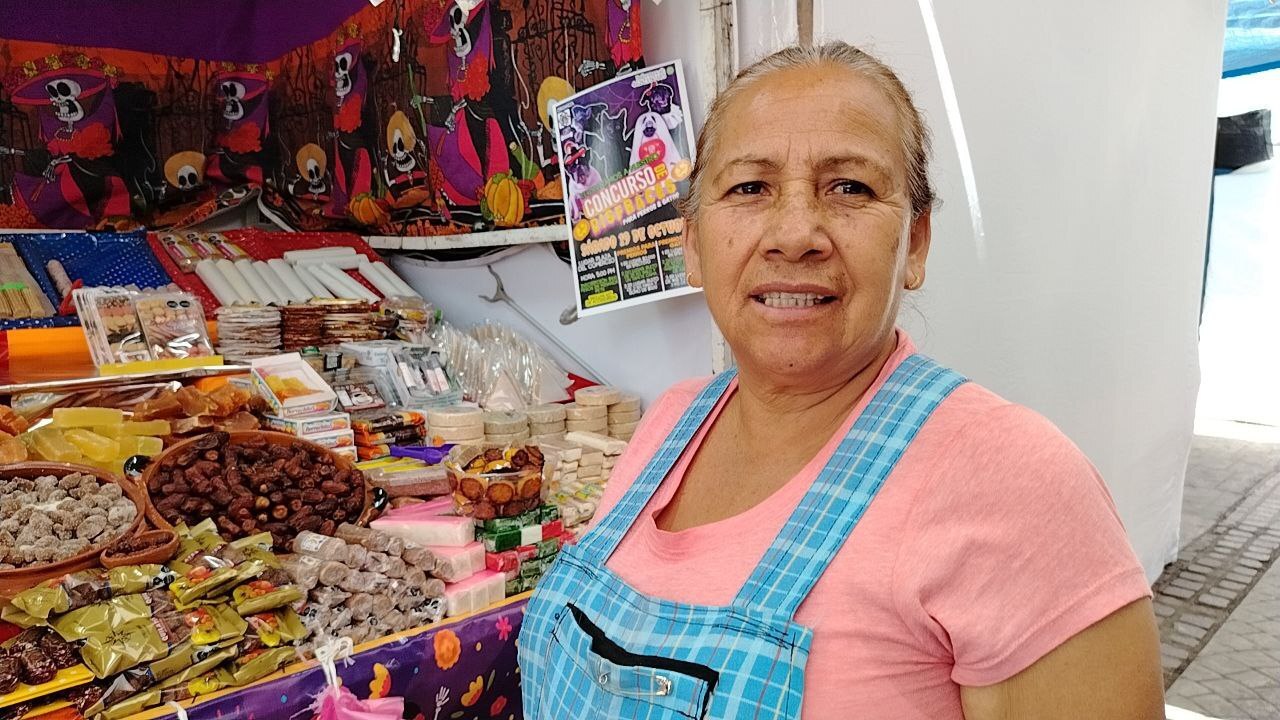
(626,152)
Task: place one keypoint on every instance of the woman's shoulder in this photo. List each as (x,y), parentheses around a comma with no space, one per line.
(981,439)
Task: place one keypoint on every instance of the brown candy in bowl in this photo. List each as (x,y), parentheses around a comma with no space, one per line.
(255,481)
(153,546)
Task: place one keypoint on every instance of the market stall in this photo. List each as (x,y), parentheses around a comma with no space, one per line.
(260,444)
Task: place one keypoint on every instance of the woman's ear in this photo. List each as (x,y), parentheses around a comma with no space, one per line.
(919,236)
(692,260)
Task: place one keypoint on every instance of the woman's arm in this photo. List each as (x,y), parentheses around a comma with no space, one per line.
(1109,671)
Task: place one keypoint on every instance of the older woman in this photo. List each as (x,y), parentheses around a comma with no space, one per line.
(841,528)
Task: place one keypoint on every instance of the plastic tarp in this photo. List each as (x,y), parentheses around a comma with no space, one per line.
(1253,37)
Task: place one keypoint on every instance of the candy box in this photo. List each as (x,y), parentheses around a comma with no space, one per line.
(310,425)
(333,440)
(490,483)
(291,386)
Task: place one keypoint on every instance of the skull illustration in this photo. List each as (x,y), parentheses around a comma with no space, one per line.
(342,67)
(232,93)
(401,141)
(458,15)
(312,164)
(185,170)
(64,93)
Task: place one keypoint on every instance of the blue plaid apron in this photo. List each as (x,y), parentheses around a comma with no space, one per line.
(593,647)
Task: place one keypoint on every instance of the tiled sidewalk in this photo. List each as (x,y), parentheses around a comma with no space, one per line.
(1219,604)
(1237,675)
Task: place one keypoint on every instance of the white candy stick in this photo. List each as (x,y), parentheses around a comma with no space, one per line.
(237,281)
(273,281)
(335,286)
(353,289)
(371,274)
(256,283)
(390,275)
(314,287)
(342,262)
(295,255)
(291,280)
(217,284)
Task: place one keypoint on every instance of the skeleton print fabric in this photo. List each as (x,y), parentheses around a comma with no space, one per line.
(416,117)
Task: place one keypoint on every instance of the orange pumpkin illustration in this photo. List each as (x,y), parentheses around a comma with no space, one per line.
(505,200)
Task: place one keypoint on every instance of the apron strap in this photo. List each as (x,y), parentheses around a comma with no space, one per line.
(846,486)
(603,539)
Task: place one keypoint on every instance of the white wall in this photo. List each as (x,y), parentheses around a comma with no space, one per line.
(1091,127)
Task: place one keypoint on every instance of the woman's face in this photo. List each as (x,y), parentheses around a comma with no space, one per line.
(805,235)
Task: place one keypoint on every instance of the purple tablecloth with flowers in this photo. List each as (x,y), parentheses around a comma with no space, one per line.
(462,670)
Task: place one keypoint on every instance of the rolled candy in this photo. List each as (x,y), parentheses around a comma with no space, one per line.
(384,564)
(365,537)
(383,604)
(319,546)
(328,597)
(304,569)
(419,557)
(360,604)
(397,620)
(356,556)
(333,573)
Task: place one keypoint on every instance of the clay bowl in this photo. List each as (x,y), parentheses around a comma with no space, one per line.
(375,499)
(162,545)
(14,581)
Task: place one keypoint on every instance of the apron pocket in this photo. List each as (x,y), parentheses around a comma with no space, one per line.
(591,676)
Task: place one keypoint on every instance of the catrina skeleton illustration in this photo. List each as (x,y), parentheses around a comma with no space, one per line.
(184,174)
(404,168)
(352,162)
(313,166)
(242,129)
(72,182)
(468,145)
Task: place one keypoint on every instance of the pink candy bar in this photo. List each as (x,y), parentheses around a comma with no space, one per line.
(475,593)
(502,562)
(439,506)
(443,530)
(454,564)
(526,552)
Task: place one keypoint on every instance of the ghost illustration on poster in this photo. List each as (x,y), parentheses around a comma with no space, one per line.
(652,140)
(72,181)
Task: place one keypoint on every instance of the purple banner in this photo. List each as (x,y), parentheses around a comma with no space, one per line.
(462,671)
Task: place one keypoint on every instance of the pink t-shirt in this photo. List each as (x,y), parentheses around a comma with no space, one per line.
(992,542)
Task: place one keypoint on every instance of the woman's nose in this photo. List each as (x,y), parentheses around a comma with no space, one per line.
(800,229)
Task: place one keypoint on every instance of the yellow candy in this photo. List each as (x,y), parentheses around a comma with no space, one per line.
(111,431)
(148,427)
(86,417)
(52,446)
(93,445)
(131,445)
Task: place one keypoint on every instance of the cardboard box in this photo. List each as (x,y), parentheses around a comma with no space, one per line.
(334,440)
(309,425)
(291,386)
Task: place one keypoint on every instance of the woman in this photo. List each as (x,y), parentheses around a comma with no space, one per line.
(843,529)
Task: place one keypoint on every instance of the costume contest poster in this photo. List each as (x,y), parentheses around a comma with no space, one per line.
(626,152)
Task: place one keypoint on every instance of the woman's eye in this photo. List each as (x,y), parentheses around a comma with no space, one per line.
(747,188)
(852,187)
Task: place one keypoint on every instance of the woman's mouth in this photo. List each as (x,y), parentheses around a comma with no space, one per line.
(792,299)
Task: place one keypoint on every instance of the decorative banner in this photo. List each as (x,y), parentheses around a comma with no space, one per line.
(412,117)
(626,149)
(463,671)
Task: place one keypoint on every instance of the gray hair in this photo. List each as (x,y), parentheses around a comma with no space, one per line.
(914,134)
